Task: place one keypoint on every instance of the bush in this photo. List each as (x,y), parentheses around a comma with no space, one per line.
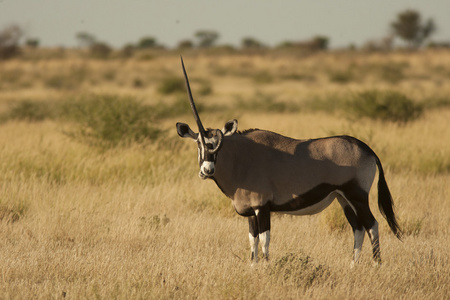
(262,102)
(172,85)
(263,77)
(100,50)
(205,88)
(32,111)
(392,73)
(341,77)
(384,105)
(329,103)
(108,121)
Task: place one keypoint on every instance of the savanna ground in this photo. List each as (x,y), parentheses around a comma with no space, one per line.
(99,197)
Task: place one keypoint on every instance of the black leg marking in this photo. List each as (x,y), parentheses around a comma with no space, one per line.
(263,218)
(358,229)
(253,237)
(259,229)
(359,200)
(253,226)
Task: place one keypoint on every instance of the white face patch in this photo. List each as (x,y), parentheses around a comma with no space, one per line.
(207,168)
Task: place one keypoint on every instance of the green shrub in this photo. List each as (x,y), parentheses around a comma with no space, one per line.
(172,85)
(263,77)
(177,108)
(329,103)
(341,77)
(205,88)
(392,73)
(72,79)
(108,121)
(263,102)
(384,105)
(32,111)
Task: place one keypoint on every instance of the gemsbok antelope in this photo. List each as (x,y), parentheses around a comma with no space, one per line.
(263,172)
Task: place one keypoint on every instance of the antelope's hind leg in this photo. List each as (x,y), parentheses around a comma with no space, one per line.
(357,227)
(359,202)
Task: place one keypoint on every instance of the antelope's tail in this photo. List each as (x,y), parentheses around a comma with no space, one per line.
(385,203)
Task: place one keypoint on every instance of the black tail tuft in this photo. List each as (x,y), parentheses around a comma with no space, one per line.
(385,203)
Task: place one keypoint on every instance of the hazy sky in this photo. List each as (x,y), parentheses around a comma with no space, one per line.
(118,22)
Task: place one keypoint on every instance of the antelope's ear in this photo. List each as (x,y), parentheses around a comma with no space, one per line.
(185,131)
(230,127)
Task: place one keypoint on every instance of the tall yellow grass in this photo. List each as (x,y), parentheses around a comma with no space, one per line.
(136,222)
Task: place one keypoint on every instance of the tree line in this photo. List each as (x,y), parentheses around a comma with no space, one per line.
(408,27)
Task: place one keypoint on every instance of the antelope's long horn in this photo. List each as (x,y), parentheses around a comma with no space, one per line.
(191,100)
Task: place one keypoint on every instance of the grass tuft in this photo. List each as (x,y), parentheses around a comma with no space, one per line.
(299,270)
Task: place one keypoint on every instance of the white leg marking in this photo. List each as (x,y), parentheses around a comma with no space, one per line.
(265,241)
(254,247)
(373,232)
(375,239)
(359,239)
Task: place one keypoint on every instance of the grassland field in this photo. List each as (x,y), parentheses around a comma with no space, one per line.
(100,198)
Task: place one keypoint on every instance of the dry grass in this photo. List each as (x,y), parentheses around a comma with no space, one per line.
(78,221)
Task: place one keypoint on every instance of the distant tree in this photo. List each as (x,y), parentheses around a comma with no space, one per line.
(251,43)
(285,45)
(86,39)
(32,42)
(9,41)
(127,50)
(382,44)
(100,50)
(411,29)
(206,38)
(320,42)
(185,44)
(147,42)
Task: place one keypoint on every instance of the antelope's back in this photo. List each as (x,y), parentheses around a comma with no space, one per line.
(293,167)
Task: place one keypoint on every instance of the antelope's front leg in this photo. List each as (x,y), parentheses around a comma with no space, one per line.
(259,229)
(263,218)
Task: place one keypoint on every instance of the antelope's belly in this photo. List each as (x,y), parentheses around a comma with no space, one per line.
(308,209)
(309,203)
